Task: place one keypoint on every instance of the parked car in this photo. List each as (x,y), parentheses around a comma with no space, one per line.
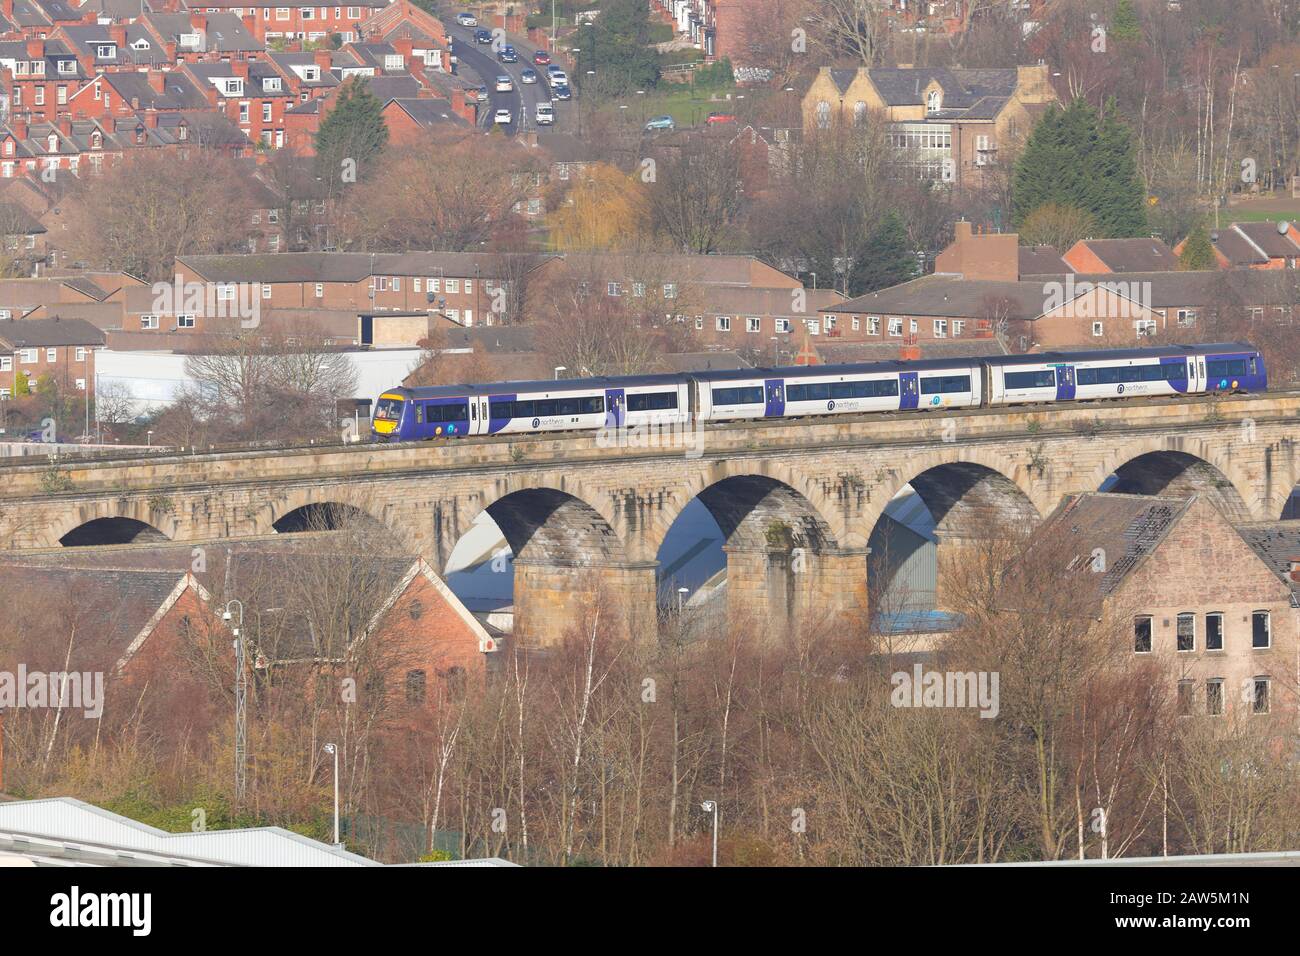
(660,122)
(545,114)
(467,19)
(503,117)
(541,58)
(560,91)
(714,118)
(505,84)
(482,36)
(528,76)
(507,54)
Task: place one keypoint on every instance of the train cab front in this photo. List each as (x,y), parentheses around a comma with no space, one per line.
(386,424)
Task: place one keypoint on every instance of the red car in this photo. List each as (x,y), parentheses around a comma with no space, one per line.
(541,58)
(714,118)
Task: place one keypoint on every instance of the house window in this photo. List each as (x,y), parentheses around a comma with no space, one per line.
(185,321)
(453,286)
(933,101)
(783,325)
(856,324)
(266,286)
(823,114)
(1186,694)
(699,323)
(896,327)
(6,363)
(1142,635)
(814,326)
(958,328)
(61,96)
(940,328)
(307,13)
(51,356)
(415,687)
(1261,634)
(638,289)
(81,384)
(433,284)
(40,95)
(1259,699)
(912,326)
(469,286)
(1187,632)
(320,290)
(612,288)
(670,290)
(27,356)
(148,321)
(873,325)
(1214,697)
(397,283)
(1214,632)
(1145,327)
(354,13)
(753,325)
(243,112)
(282,13)
(81,354)
(1186,317)
(724,323)
(1098,329)
(106,51)
(859,113)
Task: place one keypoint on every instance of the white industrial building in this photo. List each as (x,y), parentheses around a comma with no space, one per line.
(61,831)
(152,379)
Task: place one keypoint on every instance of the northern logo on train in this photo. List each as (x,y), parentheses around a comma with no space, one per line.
(830,406)
(536,422)
(1120,389)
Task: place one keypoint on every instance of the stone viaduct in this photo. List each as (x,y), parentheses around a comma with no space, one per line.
(797,501)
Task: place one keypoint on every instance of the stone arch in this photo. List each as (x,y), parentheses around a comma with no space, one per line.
(959,483)
(329,504)
(1166,467)
(744,498)
(971,496)
(115,521)
(323,516)
(117,530)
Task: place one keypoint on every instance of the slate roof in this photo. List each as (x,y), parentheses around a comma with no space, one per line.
(121,601)
(1278,544)
(427,111)
(42,333)
(1040,260)
(1126,528)
(179,91)
(1133,255)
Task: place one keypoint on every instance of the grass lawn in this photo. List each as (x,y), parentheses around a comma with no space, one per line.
(682,102)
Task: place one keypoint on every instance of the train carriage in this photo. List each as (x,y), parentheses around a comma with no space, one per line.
(453,411)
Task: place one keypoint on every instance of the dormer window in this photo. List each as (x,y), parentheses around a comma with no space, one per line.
(52,143)
(96,140)
(140,44)
(139,136)
(67,66)
(9,147)
(182,131)
(271,84)
(106,51)
(934,101)
(311,73)
(38,67)
(20,68)
(189,39)
(235,87)
(392,61)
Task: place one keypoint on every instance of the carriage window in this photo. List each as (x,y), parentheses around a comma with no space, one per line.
(871,388)
(447,413)
(1253,366)
(501,408)
(738,396)
(651,402)
(544,407)
(594,404)
(388,409)
(945,383)
(1226,368)
(1041,379)
(569,406)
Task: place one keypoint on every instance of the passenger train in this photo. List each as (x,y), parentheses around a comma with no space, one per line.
(589,404)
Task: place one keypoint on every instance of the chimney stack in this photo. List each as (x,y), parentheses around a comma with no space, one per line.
(199,21)
(324,61)
(19,126)
(1295,569)
(35,49)
(117,33)
(157,81)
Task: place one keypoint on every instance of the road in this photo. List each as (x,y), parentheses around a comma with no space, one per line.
(477,63)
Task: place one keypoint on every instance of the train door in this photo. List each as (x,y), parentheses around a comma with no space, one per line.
(615,408)
(774,390)
(908,390)
(1065,383)
(1196,379)
(478,418)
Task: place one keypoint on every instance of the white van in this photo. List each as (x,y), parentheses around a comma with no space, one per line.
(545,114)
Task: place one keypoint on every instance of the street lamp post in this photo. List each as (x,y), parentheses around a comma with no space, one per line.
(241,701)
(334,751)
(559,369)
(711,806)
(681,597)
